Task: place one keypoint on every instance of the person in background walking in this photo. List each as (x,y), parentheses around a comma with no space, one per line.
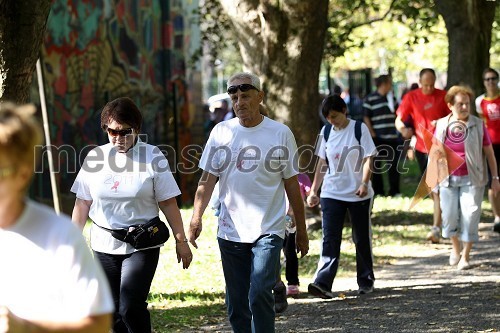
(379,117)
(290,249)
(423,107)
(461,192)
(49,281)
(343,171)
(488,108)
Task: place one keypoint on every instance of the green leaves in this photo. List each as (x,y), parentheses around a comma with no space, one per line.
(215,29)
(347,15)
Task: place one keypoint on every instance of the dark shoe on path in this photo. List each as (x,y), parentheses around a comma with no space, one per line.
(365,290)
(280,302)
(317,291)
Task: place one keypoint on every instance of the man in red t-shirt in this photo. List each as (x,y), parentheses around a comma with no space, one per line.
(424,106)
(488,108)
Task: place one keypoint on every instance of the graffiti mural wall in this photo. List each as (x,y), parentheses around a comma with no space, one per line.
(98,50)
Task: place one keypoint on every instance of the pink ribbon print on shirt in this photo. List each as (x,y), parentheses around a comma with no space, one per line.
(115,186)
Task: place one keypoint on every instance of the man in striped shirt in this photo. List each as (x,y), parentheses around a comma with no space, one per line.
(379,115)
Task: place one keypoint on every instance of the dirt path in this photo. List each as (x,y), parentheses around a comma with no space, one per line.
(422,294)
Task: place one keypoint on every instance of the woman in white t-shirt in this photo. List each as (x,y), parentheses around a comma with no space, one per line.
(344,169)
(49,281)
(121,184)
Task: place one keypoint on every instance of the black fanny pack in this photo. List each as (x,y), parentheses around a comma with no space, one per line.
(142,236)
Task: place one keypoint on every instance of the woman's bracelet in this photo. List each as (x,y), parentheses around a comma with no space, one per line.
(181,241)
(365,184)
(495,177)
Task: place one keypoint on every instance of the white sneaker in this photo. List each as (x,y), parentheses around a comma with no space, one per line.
(463,265)
(454,258)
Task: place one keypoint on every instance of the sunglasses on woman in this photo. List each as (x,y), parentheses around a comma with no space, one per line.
(123,132)
(242,87)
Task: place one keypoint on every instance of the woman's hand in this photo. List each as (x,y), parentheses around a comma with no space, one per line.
(312,200)
(495,186)
(362,190)
(183,253)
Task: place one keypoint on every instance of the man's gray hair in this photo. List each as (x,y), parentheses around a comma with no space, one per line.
(245,75)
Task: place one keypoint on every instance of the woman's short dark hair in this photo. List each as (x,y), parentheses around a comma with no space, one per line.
(333,103)
(122,110)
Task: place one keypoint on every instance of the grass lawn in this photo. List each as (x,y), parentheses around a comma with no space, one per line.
(194,298)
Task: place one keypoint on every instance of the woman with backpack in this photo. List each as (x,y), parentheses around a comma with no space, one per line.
(343,171)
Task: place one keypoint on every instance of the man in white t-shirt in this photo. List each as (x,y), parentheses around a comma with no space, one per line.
(49,281)
(255,160)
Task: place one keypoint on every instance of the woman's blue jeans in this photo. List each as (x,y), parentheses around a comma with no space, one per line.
(334,212)
(461,208)
(130,278)
(251,271)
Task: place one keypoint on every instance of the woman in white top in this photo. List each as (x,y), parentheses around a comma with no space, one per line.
(343,168)
(121,184)
(49,281)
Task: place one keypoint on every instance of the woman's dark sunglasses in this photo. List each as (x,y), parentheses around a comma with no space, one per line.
(242,87)
(123,132)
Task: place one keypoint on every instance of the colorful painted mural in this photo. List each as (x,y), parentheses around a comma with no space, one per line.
(98,50)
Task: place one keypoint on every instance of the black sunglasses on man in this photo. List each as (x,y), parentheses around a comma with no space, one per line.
(242,87)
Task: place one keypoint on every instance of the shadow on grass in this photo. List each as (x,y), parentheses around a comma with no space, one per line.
(186,311)
(185,296)
(401,217)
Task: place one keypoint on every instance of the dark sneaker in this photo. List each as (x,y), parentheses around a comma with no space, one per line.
(280,302)
(496,227)
(317,291)
(365,290)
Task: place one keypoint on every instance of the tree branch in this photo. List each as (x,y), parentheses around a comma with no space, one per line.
(381,18)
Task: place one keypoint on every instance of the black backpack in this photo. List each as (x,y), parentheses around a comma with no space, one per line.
(357,135)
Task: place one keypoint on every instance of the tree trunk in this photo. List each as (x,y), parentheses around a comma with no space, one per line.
(468,25)
(22,27)
(283,44)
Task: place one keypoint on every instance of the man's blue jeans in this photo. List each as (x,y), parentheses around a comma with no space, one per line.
(251,271)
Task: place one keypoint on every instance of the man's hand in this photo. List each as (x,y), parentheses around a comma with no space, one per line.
(195,228)
(302,242)
(495,186)
(407,133)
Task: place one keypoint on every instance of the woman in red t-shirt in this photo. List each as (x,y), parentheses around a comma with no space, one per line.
(488,108)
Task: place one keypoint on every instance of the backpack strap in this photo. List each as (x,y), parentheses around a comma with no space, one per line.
(326,134)
(357,131)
